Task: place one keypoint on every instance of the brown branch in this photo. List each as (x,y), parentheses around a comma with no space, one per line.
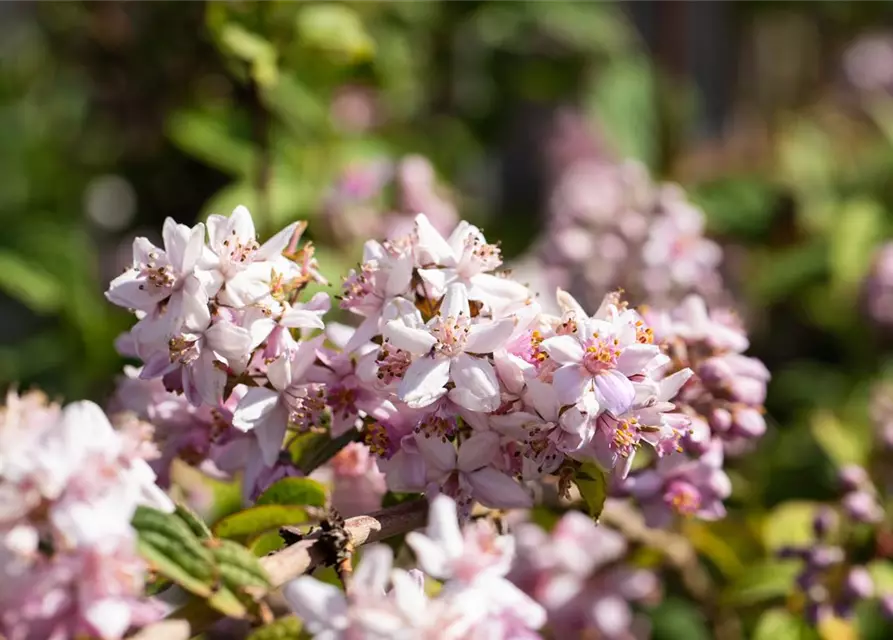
(308,553)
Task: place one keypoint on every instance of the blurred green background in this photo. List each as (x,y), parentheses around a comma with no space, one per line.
(115,115)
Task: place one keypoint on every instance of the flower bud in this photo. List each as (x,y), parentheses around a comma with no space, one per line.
(859,584)
(862,507)
(822,522)
(748,422)
(853,477)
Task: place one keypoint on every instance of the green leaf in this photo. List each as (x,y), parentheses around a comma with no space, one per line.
(676,618)
(194,487)
(193,521)
(882,574)
(206,137)
(172,549)
(844,444)
(763,581)
(237,565)
(623,101)
(337,29)
(256,520)
(593,485)
(30,283)
(299,491)
(780,624)
(265,543)
(857,229)
(252,48)
(790,523)
(228,603)
(287,628)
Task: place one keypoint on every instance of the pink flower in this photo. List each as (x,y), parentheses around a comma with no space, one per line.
(358,485)
(469,475)
(448,349)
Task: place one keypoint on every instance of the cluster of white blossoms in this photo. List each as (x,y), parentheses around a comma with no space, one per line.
(69,486)
(460,382)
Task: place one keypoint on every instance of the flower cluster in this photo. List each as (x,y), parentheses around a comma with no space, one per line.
(69,485)
(460,383)
(578,574)
(611,227)
(475,601)
(479,388)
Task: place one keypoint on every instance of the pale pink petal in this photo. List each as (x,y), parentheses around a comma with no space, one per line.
(614,391)
(296,318)
(277,244)
(478,451)
(443,526)
(415,341)
(455,301)
(256,407)
(374,570)
(437,280)
(496,490)
(431,245)
(399,276)
(320,605)
(363,334)
(563,349)
(568,304)
(270,433)
(671,385)
(544,399)
(485,286)
(279,373)
(229,341)
(634,358)
(439,455)
(208,378)
(109,617)
(424,381)
(487,337)
(570,384)
(477,388)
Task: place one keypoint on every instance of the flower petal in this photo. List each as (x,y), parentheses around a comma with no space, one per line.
(431,246)
(320,605)
(256,407)
(440,456)
(478,451)
(544,399)
(477,388)
(399,276)
(424,381)
(455,301)
(634,358)
(415,341)
(614,391)
(374,570)
(487,337)
(570,384)
(496,490)
(277,244)
(563,349)
(437,280)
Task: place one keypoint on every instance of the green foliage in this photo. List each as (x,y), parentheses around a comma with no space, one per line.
(255,520)
(294,491)
(779,624)
(592,482)
(285,628)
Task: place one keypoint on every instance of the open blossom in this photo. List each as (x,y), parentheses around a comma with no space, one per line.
(449,348)
(67,551)
(681,486)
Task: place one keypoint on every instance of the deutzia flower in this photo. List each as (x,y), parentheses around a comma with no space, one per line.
(449,348)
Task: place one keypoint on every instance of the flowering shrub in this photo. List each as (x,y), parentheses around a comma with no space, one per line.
(454,388)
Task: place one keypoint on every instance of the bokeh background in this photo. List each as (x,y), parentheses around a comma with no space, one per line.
(776,117)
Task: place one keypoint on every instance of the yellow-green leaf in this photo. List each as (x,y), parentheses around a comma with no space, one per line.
(294,491)
(593,485)
(790,523)
(255,520)
(843,443)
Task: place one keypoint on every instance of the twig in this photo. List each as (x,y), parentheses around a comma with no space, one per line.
(307,554)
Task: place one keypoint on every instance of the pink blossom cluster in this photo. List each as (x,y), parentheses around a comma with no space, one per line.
(482,391)
(459,381)
(723,402)
(578,573)
(474,601)
(611,227)
(725,397)
(69,485)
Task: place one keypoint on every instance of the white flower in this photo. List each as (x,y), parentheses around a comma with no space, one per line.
(266,411)
(464,258)
(448,349)
(469,474)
